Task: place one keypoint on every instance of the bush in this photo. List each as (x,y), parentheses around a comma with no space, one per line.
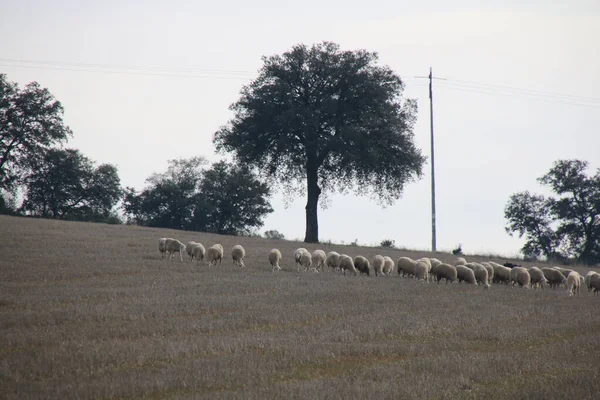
(274,234)
(388,243)
(458,250)
(355,243)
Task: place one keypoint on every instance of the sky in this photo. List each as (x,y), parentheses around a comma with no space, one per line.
(143,82)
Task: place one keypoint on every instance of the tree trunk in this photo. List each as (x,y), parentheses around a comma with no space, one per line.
(313,189)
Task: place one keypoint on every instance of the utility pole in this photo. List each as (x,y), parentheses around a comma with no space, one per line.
(433,234)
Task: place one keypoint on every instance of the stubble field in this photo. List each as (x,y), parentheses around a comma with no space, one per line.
(91,311)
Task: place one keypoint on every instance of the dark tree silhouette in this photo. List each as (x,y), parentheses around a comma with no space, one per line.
(320,118)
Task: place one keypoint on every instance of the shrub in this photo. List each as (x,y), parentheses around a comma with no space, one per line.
(274,234)
(388,243)
(458,250)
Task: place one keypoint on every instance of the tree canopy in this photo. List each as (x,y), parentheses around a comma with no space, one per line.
(30,123)
(320,118)
(65,184)
(563,226)
(224,198)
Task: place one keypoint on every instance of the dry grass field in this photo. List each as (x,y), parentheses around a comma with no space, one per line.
(90,311)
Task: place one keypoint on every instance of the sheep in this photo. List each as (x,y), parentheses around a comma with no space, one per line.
(298,255)
(587,279)
(318,258)
(237,255)
(426,261)
(345,263)
(595,283)
(523,278)
(212,256)
(305,260)
(221,251)
(445,271)
(465,274)
(188,249)
(274,259)
(501,273)
(537,277)
(555,278)
(460,261)
(490,271)
(388,265)
(198,252)
(406,266)
(481,275)
(513,275)
(434,263)
(564,271)
(162,247)
(378,262)
(362,265)
(573,283)
(173,246)
(332,259)
(422,270)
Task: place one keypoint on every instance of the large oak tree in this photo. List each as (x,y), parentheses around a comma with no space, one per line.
(320,118)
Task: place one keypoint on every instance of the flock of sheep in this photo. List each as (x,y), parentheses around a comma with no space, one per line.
(423,270)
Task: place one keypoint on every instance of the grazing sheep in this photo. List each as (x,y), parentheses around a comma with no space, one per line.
(523,278)
(422,271)
(465,274)
(318,258)
(537,277)
(332,259)
(434,262)
(173,246)
(212,256)
(426,261)
(564,271)
(490,271)
(298,256)
(305,260)
(198,252)
(221,252)
(388,265)
(481,275)
(573,283)
(162,247)
(378,262)
(237,255)
(595,283)
(460,261)
(555,278)
(274,259)
(188,249)
(447,272)
(345,263)
(406,266)
(362,265)
(501,274)
(588,278)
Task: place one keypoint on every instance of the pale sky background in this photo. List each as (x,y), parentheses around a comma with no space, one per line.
(147,81)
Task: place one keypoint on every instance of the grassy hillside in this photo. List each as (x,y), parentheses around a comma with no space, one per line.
(91,311)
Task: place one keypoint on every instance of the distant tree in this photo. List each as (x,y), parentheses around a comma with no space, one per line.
(224,199)
(320,118)
(30,123)
(65,184)
(566,226)
(274,234)
(231,200)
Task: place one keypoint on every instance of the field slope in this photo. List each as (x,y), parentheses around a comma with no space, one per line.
(91,311)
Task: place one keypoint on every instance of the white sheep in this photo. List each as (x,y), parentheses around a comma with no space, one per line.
(173,246)
(522,277)
(501,273)
(345,263)
(221,250)
(362,265)
(237,255)
(490,271)
(275,259)
(298,255)
(447,272)
(388,265)
(460,261)
(188,249)
(198,252)
(555,277)
(466,274)
(305,260)
(318,259)
(212,256)
(588,279)
(406,266)
(422,270)
(332,259)
(162,247)
(573,283)
(481,275)
(537,277)
(378,262)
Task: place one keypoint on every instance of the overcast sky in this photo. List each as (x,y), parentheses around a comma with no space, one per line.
(143,82)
